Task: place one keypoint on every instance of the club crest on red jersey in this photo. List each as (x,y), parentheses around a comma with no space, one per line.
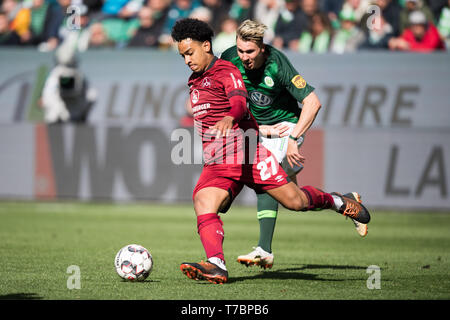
(195,96)
(206,83)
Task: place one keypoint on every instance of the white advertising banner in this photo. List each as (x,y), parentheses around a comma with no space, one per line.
(356,90)
(383,130)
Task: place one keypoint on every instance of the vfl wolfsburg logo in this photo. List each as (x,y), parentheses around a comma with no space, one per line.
(268,81)
(260,99)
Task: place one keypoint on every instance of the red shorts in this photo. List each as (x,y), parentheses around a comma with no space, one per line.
(264,174)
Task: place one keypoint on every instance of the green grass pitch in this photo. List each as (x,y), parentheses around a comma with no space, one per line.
(318,255)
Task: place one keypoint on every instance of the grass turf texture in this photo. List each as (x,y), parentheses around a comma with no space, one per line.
(318,255)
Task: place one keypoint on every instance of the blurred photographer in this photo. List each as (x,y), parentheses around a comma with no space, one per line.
(66,96)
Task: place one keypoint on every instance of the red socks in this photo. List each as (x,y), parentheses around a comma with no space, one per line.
(211,233)
(317,198)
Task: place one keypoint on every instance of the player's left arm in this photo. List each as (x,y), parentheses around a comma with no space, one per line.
(237,96)
(237,111)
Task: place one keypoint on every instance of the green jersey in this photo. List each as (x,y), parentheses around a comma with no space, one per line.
(275,89)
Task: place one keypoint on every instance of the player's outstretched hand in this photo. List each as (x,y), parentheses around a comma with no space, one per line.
(293,156)
(281,129)
(278,130)
(222,127)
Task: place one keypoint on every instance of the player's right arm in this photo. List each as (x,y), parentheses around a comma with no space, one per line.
(311,106)
(303,93)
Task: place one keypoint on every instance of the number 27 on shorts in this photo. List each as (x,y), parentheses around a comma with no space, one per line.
(263,168)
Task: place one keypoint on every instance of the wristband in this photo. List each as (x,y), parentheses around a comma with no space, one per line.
(293,138)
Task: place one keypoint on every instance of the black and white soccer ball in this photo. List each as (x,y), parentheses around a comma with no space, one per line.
(133,262)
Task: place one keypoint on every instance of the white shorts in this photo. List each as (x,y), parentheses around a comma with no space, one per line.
(278,147)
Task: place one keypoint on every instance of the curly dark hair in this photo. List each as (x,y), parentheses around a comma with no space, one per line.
(192,28)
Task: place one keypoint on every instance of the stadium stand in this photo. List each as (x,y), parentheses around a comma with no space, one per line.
(317,26)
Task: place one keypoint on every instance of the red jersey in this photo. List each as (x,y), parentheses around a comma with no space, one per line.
(238,159)
(210,92)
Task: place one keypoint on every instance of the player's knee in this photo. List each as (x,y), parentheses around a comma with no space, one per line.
(200,202)
(211,201)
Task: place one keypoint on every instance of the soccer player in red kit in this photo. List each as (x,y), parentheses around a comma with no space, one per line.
(232,154)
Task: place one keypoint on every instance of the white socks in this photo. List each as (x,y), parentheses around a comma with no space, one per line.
(218,262)
(338,203)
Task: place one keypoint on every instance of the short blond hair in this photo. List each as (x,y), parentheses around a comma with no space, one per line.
(250,30)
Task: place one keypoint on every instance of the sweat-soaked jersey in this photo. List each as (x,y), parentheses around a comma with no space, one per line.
(275,89)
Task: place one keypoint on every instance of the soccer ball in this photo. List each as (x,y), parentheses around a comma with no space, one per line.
(133,262)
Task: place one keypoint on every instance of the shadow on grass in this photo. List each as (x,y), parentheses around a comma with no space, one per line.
(328,266)
(142,281)
(20,296)
(293,274)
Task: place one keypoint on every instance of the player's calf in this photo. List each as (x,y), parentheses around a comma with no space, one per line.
(311,198)
(290,197)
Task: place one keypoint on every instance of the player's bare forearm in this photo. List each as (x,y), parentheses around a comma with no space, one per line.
(311,106)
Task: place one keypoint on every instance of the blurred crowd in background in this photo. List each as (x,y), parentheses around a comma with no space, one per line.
(319,26)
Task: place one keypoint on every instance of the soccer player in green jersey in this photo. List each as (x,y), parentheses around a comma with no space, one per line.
(275,88)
